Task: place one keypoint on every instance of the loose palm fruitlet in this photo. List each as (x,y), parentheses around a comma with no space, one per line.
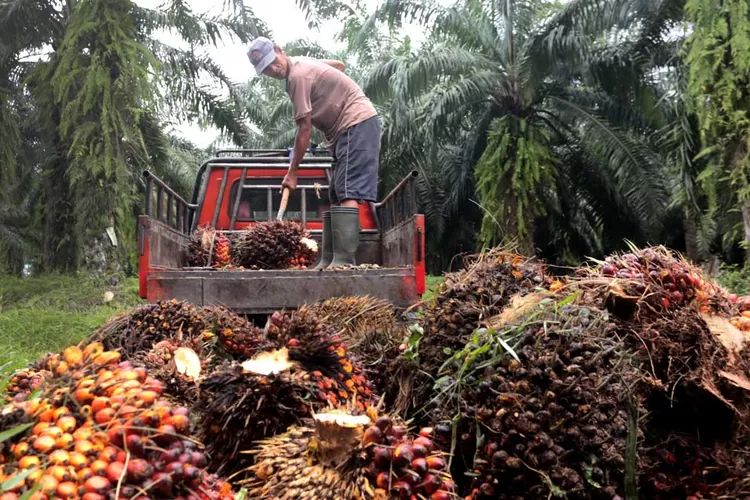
(271,245)
(656,279)
(101,431)
(344,456)
(208,248)
(323,354)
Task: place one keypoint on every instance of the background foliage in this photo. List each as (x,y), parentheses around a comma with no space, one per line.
(567,128)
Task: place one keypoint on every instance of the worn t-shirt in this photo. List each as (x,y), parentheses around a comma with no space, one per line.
(333,99)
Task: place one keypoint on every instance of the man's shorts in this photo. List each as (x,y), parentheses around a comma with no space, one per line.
(356,159)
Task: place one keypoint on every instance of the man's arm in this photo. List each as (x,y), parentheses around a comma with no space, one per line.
(336,64)
(301,143)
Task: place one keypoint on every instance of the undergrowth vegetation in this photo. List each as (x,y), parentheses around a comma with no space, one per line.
(42,314)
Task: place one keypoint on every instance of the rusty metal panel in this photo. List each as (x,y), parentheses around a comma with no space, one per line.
(178,285)
(399,244)
(262,292)
(167,246)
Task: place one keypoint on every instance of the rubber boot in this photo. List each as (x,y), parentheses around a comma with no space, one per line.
(345,232)
(326,246)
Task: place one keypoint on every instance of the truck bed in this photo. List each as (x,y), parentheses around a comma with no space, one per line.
(262,292)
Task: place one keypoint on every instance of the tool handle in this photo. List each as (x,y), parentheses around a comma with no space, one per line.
(284,202)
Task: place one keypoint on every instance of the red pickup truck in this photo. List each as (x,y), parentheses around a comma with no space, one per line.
(239,188)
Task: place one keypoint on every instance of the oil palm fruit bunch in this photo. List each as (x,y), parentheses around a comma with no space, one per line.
(176,365)
(269,245)
(341,455)
(314,461)
(369,328)
(102,430)
(481,290)
(556,418)
(323,354)
(138,330)
(307,253)
(243,403)
(662,279)
(208,248)
(236,334)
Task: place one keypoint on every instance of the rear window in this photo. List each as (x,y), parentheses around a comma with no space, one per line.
(254,199)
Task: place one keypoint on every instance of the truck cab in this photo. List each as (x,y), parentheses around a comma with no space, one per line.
(237,189)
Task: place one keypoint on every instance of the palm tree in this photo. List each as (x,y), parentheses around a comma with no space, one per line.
(513,87)
(107,81)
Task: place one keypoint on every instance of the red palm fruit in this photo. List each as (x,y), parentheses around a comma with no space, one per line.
(419,450)
(93,496)
(430,483)
(382,457)
(68,489)
(426,442)
(441,495)
(372,435)
(403,490)
(134,444)
(115,471)
(383,480)
(139,470)
(403,455)
(436,463)
(425,432)
(419,465)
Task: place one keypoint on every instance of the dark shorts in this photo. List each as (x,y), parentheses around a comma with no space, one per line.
(356,158)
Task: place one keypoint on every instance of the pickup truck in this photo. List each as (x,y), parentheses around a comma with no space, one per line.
(239,188)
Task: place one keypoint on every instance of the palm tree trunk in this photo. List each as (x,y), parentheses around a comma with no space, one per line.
(746,227)
(692,249)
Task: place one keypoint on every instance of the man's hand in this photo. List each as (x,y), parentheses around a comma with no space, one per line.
(290,181)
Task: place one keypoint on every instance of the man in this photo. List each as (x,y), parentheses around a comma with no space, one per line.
(325,98)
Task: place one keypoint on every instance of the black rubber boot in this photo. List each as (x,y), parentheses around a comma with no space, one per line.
(326,245)
(345,232)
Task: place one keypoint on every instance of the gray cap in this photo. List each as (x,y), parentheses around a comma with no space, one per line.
(261,53)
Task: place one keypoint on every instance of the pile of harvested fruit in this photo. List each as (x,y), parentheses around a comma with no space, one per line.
(632,376)
(100,429)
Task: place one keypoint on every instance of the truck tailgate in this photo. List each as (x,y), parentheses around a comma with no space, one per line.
(262,292)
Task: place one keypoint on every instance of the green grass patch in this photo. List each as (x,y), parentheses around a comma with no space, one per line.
(47,314)
(433,282)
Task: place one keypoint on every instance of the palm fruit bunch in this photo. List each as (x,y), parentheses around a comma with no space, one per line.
(236,334)
(208,248)
(659,279)
(270,245)
(480,291)
(243,403)
(100,429)
(341,455)
(139,330)
(323,355)
(544,395)
(368,326)
(307,253)
(23,383)
(176,365)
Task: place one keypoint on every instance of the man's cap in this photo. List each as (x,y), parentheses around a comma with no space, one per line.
(261,53)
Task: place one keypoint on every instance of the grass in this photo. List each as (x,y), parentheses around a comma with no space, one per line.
(433,282)
(47,314)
